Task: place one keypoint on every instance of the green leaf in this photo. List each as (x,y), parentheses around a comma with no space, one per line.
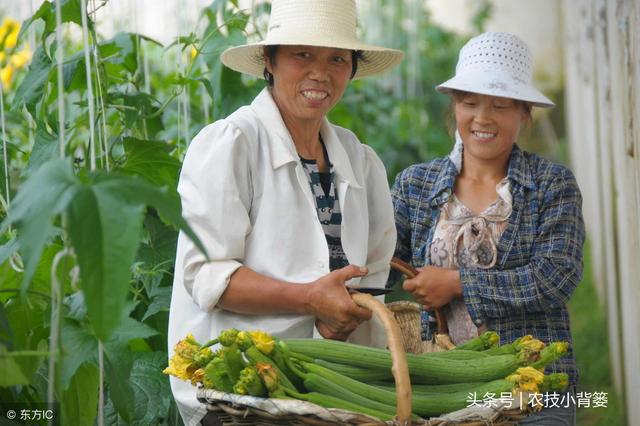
(151,160)
(45,148)
(10,372)
(165,202)
(70,12)
(28,316)
(7,249)
(159,252)
(79,402)
(159,301)
(32,87)
(40,199)
(118,364)
(105,232)
(6,334)
(152,391)
(131,329)
(78,347)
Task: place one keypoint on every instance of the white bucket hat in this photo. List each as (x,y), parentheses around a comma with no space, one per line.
(496,64)
(325,23)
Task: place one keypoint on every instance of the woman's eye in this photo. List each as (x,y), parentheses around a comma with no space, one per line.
(339,59)
(501,106)
(304,55)
(469,103)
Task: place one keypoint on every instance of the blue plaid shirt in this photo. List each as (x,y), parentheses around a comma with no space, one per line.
(539,259)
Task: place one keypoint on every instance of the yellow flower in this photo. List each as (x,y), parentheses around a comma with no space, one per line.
(20,59)
(6,74)
(9,32)
(183,364)
(188,347)
(180,367)
(263,341)
(197,376)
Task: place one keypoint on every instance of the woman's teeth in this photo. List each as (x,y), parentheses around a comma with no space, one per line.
(313,95)
(483,135)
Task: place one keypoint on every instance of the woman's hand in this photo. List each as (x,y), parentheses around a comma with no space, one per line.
(434,287)
(336,313)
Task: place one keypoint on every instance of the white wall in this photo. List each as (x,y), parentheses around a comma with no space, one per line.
(603,76)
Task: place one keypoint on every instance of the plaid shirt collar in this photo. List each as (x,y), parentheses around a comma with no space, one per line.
(518,172)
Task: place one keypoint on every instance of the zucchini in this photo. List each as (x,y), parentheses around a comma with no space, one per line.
(358,373)
(319,384)
(423,369)
(486,340)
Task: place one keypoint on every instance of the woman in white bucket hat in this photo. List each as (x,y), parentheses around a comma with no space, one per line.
(288,205)
(497,231)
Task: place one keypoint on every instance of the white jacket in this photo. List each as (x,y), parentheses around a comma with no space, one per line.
(247,197)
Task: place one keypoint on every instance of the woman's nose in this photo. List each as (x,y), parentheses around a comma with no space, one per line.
(483,114)
(319,71)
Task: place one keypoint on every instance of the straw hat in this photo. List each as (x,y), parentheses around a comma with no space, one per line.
(326,23)
(496,64)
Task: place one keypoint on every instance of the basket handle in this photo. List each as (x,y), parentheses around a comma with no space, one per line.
(399,366)
(410,272)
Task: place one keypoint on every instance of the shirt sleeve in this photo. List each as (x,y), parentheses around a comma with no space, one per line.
(402,223)
(555,266)
(215,190)
(382,232)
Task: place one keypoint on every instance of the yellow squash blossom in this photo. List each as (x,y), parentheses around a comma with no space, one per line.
(180,367)
(6,74)
(20,59)
(263,341)
(9,32)
(183,364)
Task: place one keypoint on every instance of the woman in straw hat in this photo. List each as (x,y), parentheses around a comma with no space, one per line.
(288,206)
(497,231)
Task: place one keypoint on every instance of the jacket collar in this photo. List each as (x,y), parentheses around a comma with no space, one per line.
(282,148)
(518,171)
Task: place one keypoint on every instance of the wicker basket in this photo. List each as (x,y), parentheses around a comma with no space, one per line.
(402,325)
(407,315)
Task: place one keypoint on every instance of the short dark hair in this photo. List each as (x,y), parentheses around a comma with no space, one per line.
(271,50)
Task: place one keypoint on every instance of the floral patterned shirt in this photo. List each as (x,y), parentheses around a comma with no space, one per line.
(462,238)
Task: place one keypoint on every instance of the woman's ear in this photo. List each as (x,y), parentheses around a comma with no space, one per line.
(267,62)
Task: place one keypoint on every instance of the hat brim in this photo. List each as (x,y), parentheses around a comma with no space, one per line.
(496,84)
(248,58)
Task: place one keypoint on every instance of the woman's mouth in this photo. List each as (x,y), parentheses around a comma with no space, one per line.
(483,135)
(314,95)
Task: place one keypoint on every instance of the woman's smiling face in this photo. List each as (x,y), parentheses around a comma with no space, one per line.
(308,80)
(488,125)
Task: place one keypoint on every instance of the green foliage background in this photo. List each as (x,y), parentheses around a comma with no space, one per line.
(87,243)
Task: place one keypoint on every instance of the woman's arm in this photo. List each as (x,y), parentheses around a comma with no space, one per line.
(555,266)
